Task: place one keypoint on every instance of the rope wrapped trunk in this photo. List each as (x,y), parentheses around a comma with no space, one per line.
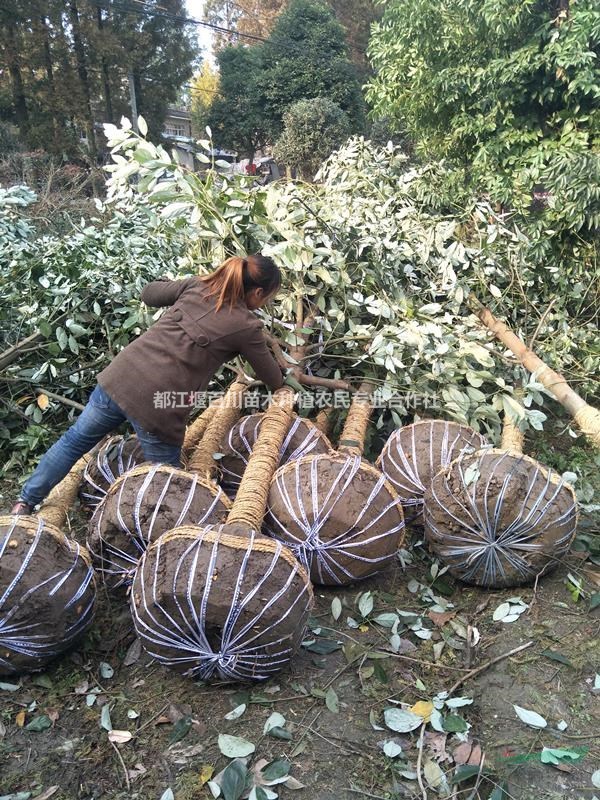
(339,515)
(224,601)
(414,453)
(47,593)
(55,507)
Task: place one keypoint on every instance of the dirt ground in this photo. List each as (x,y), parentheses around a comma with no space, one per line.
(334,750)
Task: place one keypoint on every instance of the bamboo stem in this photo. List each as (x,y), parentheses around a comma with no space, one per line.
(586,417)
(352,440)
(251,499)
(229,410)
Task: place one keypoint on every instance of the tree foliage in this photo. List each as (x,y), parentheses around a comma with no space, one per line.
(507,91)
(236,115)
(306,56)
(67,66)
(204,89)
(312,130)
(251,17)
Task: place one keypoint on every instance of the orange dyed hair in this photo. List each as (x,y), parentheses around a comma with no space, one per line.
(236,276)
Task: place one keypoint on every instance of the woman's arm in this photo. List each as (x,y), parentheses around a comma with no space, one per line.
(164,292)
(253,347)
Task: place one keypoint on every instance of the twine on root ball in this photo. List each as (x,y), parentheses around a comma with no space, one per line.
(224,601)
(499,519)
(303,437)
(338,514)
(152,499)
(414,453)
(47,593)
(107,462)
(139,507)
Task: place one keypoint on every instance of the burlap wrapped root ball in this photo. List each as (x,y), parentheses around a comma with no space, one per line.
(108,461)
(338,514)
(499,519)
(221,603)
(415,453)
(47,593)
(140,506)
(302,438)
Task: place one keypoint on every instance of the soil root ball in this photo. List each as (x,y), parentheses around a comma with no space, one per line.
(140,506)
(338,514)
(47,593)
(221,602)
(108,461)
(302,438)
(415,453)
(498,519)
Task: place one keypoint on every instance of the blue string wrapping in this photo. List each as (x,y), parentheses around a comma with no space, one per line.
(414,453)
(303,437)
(220,602)
(498,519)
(140,506)
(339,516)
(47,593)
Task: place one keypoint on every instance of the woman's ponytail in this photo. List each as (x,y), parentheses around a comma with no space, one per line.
(236,276)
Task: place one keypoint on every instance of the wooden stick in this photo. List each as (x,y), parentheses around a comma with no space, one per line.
(420,761)
(587,417)
(487,665)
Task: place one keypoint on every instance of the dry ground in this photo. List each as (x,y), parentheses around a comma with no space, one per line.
(334,750)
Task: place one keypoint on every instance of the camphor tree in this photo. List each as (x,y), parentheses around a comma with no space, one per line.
(312,130)
(204,89)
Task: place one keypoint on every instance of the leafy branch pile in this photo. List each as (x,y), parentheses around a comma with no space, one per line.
(387,270)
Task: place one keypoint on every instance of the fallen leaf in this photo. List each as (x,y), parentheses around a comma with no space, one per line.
(120,737)
(401,721)
(39,723)
(136,772)
(276,720)
(293,784)
(133,653)
(206,774)
(531,718)
(180,729)
(423,708)
(20,719)
(236,713)
(106,671)
(440,618)
(436,743)
(53,715)
(82,688)
(331,701)
(235,746)
(43,402)
(435,777)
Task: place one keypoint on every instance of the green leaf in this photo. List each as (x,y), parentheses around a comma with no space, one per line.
(595,601)
(401,721)
(276,769)
(38,724)
(233,781)
(464,772)
(554,656)
(280,733)
(323,646)
(105,720)
(500,792)
(454,724)
(331,701)
(181,729)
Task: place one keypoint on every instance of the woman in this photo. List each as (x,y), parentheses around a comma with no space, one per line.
(152,381)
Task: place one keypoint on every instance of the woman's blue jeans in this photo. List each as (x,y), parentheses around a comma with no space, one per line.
(100,416)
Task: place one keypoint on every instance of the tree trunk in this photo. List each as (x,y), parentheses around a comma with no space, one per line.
(108,108)
(83,77)
(586,417)
(18,91)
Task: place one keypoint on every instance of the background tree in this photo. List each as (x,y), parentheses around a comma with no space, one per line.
(312,131)
(204,89)
(250,17)
(236,115)
(306,56)
(68,64)
(509,94)
(356,16)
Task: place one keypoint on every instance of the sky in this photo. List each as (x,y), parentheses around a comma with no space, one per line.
(195,9)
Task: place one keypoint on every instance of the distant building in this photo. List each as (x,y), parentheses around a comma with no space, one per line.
(178,132)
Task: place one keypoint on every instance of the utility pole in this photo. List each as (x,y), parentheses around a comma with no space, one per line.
(132,101)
